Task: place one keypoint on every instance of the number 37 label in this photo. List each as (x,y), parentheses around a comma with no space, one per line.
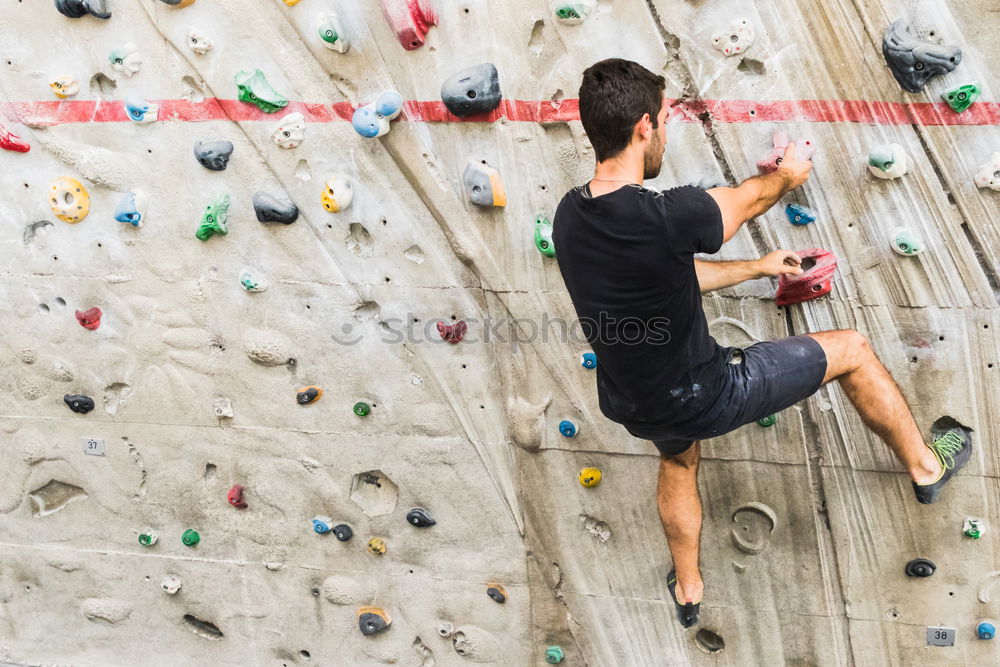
(940,636)
(95,447)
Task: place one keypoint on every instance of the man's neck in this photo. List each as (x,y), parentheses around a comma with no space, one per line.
(616,173)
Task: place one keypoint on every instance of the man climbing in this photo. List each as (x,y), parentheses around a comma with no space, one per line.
(627,257)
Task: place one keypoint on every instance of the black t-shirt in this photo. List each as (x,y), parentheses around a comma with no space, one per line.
(627,258)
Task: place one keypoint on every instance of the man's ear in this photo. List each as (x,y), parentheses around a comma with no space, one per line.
(644,128)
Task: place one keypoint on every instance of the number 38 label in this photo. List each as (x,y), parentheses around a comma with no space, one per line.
(940,636)
(95,447)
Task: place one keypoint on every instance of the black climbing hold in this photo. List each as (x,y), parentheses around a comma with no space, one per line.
(79,403)
(74,9)
(472,91)
(308,395)
(913,61)
(497,593)
(373,620)
(419,517)
(271,209)
(213,155)
(920,567)
(343,532)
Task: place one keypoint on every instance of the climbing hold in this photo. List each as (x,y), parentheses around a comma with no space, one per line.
(178,3)
(222,407)
(332,32)
(573,12)
(322,524)
(90,318)
(199,42)
(372,120)
(12,142)
(590,477)
(171,584)
(79,403)
(190,537)
(213,220)
(483,185)
(132,208)
(988,175)
(496,592)
(125,60)
(235,496)
(543,236)
(361,408)
(291,131)
(804,149)
(255,89)
(343,532)
(213,155)
(752,527)
(913,61)
(376,545)
(554,654)
(337,194)
(410,20)
(567,428)
(736,39)
(961,98)
(271,209)
(472,91)
(419,517)
(974,528)
(251,283)
(920,567)
(986,630)
(291,3)
(887,161)
(446,629)
(815,280)
(588,360)
(373,620)
(64,86)
(799,214)
(906,242)
(69,200)
(769,420)
(148,537)
(74,9)
(453,333)
(308,395)
(140,111)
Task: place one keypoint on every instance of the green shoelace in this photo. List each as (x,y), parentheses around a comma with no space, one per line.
(946,447)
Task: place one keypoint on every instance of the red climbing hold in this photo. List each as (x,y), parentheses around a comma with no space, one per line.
(815,280)
(89,319)
(804,149)
(453,333)
(235,497)
(410,20)
(12,142)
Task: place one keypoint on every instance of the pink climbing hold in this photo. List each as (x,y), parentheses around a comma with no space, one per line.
(90,318)
(410,20)
(235,497)
(815,280)
(12,142)
(453,333)
(804,150)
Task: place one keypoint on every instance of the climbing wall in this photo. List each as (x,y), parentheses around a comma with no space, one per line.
(262,390)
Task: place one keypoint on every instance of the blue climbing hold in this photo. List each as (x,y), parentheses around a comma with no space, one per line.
(799,214)
(132,209)
(567,428)
(140,111)
(986,630)
(372,120)
(588,360)
(322,524)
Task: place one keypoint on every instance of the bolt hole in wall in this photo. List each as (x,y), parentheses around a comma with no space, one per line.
(304,654)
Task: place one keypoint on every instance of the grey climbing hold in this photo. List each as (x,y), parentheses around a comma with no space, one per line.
(419,517)
(920,567)
(271,209)
(373,620)
(79,403)
(32,228)
(343,532)
(472,91)
(757,546)
(213,155)
(483,185)
(74,9)
(913,61)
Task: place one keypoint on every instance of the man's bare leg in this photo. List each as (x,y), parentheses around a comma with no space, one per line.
(868,385)
(680,511)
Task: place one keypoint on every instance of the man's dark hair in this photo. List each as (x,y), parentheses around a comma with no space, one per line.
(614,95)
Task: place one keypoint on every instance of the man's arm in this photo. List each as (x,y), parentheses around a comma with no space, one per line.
(716,275)
(759,193)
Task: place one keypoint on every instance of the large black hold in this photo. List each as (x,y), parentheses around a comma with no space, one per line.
(472,91)
(913,61)
(271,209)
(74,9)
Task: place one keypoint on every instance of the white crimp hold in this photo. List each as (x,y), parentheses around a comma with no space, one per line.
(736,39)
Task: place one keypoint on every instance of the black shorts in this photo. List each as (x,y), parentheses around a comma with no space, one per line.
(771,376)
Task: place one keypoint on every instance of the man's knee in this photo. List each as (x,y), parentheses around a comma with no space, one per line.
(845,349)
(687,459)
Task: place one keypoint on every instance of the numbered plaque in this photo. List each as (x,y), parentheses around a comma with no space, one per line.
(95,447)
(940,636)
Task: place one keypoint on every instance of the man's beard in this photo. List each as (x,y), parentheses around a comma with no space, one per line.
(652,160)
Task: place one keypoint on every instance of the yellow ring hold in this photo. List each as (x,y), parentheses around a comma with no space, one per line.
(291,3)
(69,200)
(376,545)
(590,477)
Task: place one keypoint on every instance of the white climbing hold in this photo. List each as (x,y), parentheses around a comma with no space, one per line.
(291,131)
(198,41)
(988,175)
(736,39)
(761,542)
(171,584)
(222,407)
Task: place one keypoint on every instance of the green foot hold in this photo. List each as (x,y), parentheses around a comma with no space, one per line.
(190,537)
(213,221)
(255,89)
(769,420)
(974,528)
(554,654)
(961,98)
(361,408)
(543,236)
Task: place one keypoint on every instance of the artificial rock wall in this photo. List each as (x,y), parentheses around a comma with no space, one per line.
(808,524)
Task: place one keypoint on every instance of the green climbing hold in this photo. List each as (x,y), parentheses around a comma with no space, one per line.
(906,242)
(769,420)
(255,89)
(148,538)
(974,528)
(361,408)
(961,98)
(190,537)
(213,221)
(554,654)
(543,236)
(573,12)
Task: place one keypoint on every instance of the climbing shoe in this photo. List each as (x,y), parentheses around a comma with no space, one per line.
(953,447)
(687,613)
